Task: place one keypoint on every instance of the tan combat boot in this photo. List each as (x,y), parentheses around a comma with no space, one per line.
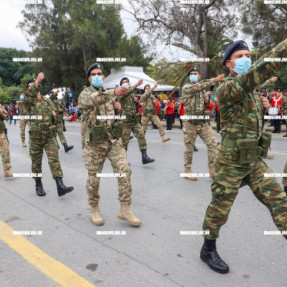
(211,171)
(164,139)
(96,216)
(8,173)
(23,143)
(125,213)
(270,155)
(188,170)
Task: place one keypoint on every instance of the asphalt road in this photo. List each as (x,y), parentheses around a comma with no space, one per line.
(153,255)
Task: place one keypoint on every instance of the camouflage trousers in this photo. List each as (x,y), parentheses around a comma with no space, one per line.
(155,119)
(84,128)
(206,133)
(23,124)
(4,151)
(138,131)
(284,181)
(95,156)
(37,146)
(228,179)
(60,133)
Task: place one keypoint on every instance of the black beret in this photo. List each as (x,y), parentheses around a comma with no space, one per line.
(32,80)
(124,78)
(193,69)
(234,47)
(94,66)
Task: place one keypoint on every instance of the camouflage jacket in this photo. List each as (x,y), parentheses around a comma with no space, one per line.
(284,106)
(147,100)
(3,117)
(42,109)
(129,106)
(21,108)
(94,103)
(234,89)
(193,96)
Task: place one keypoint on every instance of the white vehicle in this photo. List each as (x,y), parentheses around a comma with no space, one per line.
(62,92)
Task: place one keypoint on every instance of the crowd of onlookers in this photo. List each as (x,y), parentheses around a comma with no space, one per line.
(169,109)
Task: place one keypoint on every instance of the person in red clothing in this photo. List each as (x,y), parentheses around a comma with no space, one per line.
(169,114)
(181,112)
(157,107)
(276,104)
(140,109)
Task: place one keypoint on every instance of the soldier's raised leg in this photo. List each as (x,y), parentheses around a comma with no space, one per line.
(62,137)
(155,119)
(139,134)
(269,192)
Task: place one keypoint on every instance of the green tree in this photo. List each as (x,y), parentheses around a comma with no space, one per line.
(71,35)
(11,72)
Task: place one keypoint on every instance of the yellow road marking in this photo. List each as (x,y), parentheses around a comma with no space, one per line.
(49,266)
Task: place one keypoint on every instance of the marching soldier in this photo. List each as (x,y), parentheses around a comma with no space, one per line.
(23,122)
(284,113)
(42,132)
(59,120)
(196,102)
(149,111)
(102,140)
(238,158)
(4,144)
(284,108)
(132,121)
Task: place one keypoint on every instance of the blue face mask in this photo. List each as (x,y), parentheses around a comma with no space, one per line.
(21,97)
(97,81)
(193,78)
(242,65)
(126,85)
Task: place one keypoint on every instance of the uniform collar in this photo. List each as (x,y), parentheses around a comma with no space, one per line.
(101,89)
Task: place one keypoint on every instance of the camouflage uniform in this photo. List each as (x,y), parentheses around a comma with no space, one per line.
(23,123)
(4,144)
(131,124)
(59,120)
(229,173)
(95,102)
(193,98)
(42,132)
(284,113)
(149,112)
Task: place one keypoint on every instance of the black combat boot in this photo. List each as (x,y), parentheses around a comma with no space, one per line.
(285,135)
(61,188)
(195,148)
(145,158)
(67,148)
(39,188)
(210,256)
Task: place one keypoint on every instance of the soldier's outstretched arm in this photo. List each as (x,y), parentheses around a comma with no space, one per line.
(189,90)
(268,82)
(88,100)
(236,89)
